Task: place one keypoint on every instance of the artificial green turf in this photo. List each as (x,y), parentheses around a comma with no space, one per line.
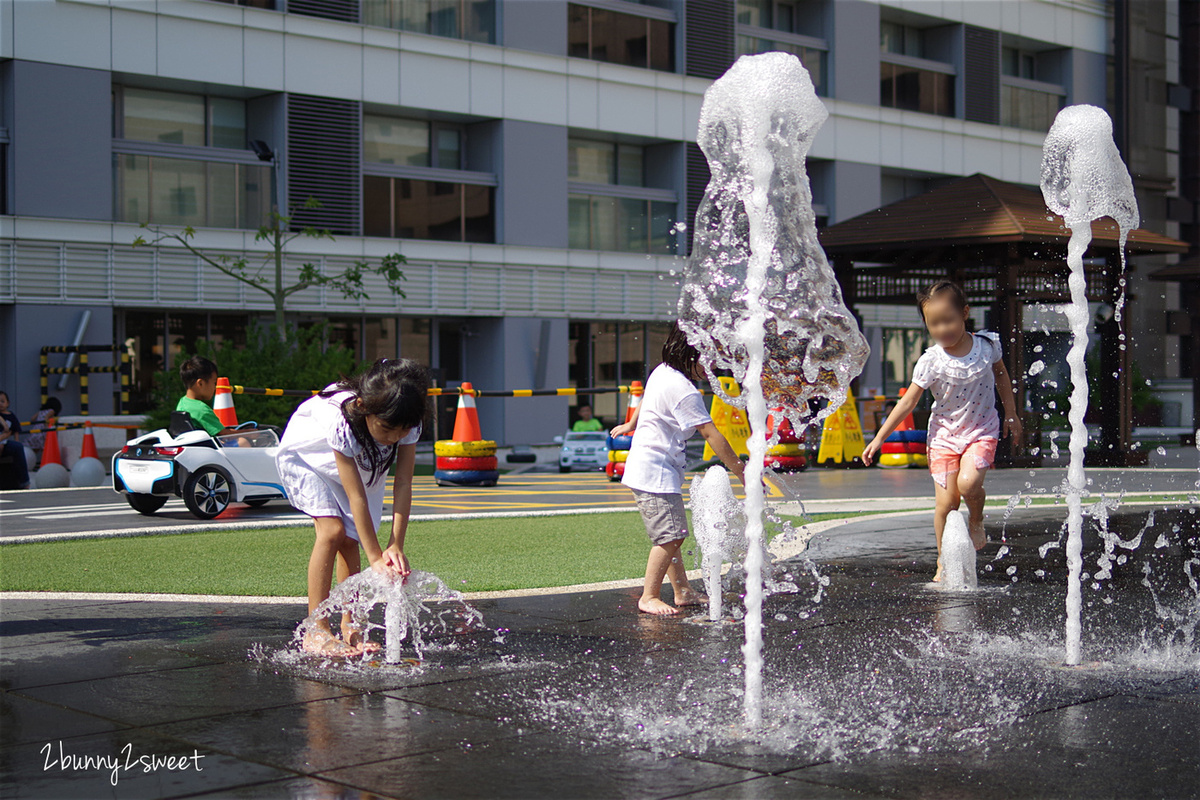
(470,555)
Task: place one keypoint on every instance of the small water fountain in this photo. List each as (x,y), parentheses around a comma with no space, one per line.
(759,298)
(1083,179)
(958,555)
(718,522)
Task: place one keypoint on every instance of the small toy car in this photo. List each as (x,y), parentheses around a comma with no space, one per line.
(583,451)
(208,472)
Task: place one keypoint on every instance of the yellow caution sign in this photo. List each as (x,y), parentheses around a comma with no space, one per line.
(731,421)
(842,436)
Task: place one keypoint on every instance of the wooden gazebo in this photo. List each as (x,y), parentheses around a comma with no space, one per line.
(1007,250)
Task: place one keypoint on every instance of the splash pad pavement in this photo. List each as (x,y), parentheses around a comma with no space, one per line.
(886,687)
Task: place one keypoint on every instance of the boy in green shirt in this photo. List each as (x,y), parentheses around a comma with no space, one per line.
(200,379)
(586,422)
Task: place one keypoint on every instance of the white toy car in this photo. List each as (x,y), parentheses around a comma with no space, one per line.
(583,450)
(208,472)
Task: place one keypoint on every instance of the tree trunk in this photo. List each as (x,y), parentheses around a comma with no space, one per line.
(279,297)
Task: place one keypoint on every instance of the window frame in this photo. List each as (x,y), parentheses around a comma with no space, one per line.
(493,32)
(432,128)
(793,39)
(648,13)
(118,132)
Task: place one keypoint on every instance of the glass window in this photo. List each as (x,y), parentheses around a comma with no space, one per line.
(1028,108)
(591,162)
(901,39)
(812,58)
(176,191)
(623,224)
(414,339)
(166,117)
(756,13)
(915,89)
(228,120)
(391,140)
(604,35)
(415,209)
(449,147)
(473,20)
(603,223)
(630,160)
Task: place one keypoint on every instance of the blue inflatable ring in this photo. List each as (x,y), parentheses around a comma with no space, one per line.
(466,477)
(620,442)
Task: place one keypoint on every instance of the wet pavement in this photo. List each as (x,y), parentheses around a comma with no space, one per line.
(885,687)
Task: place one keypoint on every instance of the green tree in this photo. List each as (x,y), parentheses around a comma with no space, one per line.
(266,274)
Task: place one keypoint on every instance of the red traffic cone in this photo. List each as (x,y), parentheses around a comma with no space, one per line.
(635,399)
(89,443)
(51,452)
(223,404)
(466,420)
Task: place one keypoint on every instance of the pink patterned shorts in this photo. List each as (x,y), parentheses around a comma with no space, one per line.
(944,463)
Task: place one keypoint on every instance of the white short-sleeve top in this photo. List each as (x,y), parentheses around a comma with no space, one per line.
(963,389)
(672,408)
(308,468)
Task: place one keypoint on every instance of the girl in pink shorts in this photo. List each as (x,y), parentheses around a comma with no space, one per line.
(963,371)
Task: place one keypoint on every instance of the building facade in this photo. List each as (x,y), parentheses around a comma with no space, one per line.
(532,160)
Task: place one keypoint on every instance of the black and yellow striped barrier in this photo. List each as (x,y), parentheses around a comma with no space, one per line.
(437,391)
(120,365)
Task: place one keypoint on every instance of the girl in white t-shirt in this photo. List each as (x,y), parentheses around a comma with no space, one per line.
(963,371)
(672,410)
(334,460)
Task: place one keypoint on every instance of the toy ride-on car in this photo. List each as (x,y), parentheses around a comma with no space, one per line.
(582,450)
(208,472)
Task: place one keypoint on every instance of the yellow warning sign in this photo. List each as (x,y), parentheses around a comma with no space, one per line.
(731,421)
(842,436)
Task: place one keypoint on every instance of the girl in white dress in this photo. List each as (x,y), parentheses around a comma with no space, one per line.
(963,371)
(334,460)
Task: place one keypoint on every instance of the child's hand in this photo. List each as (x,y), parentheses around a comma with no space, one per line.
(394,560)
(1014,427)
(870,451)
(624,429)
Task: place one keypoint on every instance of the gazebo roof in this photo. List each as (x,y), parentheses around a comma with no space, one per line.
(1186,270)
(974,210)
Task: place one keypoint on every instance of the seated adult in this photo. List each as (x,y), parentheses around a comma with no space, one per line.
(12,452)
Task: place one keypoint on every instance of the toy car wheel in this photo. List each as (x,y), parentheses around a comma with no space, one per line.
(206,493)
(561,468)
(255,502)
(145,503)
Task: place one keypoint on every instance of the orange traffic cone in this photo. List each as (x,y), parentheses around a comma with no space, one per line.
(635,399)
(908,424)
(466,420)
(89,443)
(223,404)
(51,453)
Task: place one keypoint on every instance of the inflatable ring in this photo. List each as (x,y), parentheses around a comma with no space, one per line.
(467,462)
(452,449)
(894,448)
(618,456)
(792,449)
(466,477)
(614,470)
(620,442)
(895,460)
(908,436)
(920,460)
(786,463)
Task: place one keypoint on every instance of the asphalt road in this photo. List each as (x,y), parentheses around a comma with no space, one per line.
(74,511)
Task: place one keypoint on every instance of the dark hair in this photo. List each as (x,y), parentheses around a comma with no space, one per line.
(6,397)
(394,389)
(938,288)
(53,404)
(196,368)
(678,353)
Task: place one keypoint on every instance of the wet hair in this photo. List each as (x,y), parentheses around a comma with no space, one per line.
(678,353)
(52,404)
(196,368)
(394,389)
(938,289)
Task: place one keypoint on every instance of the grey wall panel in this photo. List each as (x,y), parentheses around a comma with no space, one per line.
(854,51)
(855,189)
(532,201)
(539,25)
(534,419)
(1086,78)
(61,132)
(35,326)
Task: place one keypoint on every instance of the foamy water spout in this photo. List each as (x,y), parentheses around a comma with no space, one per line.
(1083,179)
(759,298)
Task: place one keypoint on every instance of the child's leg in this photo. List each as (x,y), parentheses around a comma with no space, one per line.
(657,566)
(970,486)
(349,562)
(685,595)
(947,500)
(329,541)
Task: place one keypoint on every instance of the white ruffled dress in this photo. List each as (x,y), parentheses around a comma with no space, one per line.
(308,468)
(964,393)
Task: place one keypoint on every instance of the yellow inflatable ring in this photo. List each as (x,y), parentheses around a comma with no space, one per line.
(895,459)
(618,456)
(787,450)
(451,449)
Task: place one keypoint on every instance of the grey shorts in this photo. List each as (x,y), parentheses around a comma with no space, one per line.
(663,515)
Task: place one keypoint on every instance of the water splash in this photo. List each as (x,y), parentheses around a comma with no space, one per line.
(1083,179)
(958,555)
(759,298)
(718,522)
(406,603)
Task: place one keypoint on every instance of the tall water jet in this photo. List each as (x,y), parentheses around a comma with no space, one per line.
(1083,179)
(758,296)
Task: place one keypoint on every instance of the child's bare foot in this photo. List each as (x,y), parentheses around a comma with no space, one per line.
(937,576)
(656,607)
(690,597)
(978,534)
(324,643)
(355,638)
